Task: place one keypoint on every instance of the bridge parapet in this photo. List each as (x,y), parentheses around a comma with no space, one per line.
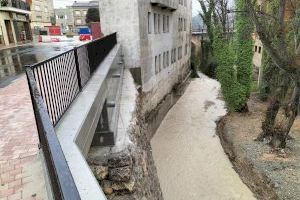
(71,93)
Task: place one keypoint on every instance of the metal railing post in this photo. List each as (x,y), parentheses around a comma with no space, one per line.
(77,69)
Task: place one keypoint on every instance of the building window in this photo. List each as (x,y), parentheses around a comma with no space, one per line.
(149,22)
(46,9)
(168,58)
(155,22)
(180,24)
(164,23)
(77,13)
(179,53)
(168,24)
(255,49)
(156,64)
(186,49)
(259,50)
(78,21)
(158,23)
(184,24)
(37,8)
(159,62)
(173,56)
(84,13)
(164,60)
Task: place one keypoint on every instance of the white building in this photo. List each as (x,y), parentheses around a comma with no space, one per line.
(155,36)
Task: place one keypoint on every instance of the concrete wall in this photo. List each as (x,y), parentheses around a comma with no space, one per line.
(130,19)
(76,138)
(122,17)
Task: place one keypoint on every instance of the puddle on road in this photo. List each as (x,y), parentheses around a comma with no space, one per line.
(12,61)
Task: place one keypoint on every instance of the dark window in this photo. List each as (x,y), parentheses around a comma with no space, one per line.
(155,22)
(158,23)
(149,22)
(168,58)
(159,64)
(168,24)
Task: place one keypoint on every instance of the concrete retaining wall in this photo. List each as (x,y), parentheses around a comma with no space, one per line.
(76,129)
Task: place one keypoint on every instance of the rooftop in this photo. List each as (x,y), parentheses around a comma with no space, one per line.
(85,4)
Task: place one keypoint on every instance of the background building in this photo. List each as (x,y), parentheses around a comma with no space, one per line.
(64,19)
(42,12)
(156,41)
(14,22)
(80,10)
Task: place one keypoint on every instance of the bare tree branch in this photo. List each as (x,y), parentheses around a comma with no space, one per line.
(281,62)
(281,31)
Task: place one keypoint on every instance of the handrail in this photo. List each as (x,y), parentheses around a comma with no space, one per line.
(54,84)
(63,76)
(63,186)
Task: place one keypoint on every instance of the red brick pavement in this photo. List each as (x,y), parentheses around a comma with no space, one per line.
(18,144)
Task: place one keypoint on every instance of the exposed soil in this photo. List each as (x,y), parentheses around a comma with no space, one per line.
(269,174)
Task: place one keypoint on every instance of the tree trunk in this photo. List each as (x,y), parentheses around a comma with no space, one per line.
(282,129)
(268,123)
(272,110)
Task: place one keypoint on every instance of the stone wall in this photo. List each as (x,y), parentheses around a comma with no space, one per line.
(127,171)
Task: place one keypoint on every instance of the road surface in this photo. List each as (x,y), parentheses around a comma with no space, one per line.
(12,61)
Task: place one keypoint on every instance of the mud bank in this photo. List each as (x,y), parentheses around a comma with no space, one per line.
(270,174)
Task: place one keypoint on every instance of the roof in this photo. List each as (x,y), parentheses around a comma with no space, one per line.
(85,4)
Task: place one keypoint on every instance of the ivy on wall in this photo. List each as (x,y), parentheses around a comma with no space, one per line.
(235,61)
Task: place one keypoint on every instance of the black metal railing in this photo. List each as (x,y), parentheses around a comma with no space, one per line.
(54,84)
(20,5)
(59,79)
(62,183)
(15,4)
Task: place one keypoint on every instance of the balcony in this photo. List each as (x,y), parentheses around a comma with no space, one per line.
(17,6)
(166,4)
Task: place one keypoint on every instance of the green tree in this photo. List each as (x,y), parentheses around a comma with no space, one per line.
(53,20)
(92,15)
(235,61)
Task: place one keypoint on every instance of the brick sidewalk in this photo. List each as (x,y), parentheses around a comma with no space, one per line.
(20,165)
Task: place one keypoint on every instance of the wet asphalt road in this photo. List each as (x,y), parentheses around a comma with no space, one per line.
(12,61)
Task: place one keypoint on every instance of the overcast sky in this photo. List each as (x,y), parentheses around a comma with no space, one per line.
(64,3)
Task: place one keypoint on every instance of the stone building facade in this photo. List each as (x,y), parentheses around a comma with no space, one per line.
(14,22)
(64,19)
(42,14)
(80,9)
(155,36)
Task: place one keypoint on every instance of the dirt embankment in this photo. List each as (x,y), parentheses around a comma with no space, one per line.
(269,174)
